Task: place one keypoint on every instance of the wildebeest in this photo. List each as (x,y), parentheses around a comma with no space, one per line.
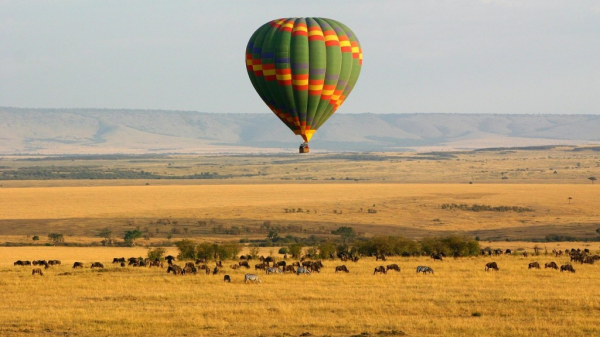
(424,270)
(380,269)
(19,263)
(508,251)
(189,269)
(78,265)
(155,263)
(226,278)
(189,264)
(118,260)
(37,271)
(175,269)
(234,266)
(122,264)
(534,265)
(289,268)
(567,267)
(251,278)
(170,259)
(303,270)
(260,266)
(551,265)
(273,270)
(392,267)
(525,254)
(244,264)
(219,264)
(280,264)
(215,271)
(380,257)
(491,265)
(97,265)
(199,261)
(437,257)
(54,262)
(342,268)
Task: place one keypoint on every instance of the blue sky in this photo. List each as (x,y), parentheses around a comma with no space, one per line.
(471,56)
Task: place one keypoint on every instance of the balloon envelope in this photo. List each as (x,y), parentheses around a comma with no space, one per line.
(303,69)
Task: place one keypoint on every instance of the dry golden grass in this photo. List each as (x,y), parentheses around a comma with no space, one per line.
(409,209)
(143,301)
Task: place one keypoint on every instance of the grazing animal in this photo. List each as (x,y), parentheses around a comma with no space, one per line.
(567,267)
(534,265)
(37,271)
(260,266)
(380,269)
(280,264)
(437,257)
(251,278)
(392,267)
(189,264)
(244,264)
(525,254)
(226,278)
(190,269)
(380,257)
(97,265)
(122,264)
(54,262)
(273,271)
(551,265)
(491,265)
(234,266)
(424,270)
(78,265)
(175,269)
(508,251)
(215,271)
(18,263)
(118,260)
(170,259)
(303,270)
(289,268)
(219,264)
(199,261)
(342,268)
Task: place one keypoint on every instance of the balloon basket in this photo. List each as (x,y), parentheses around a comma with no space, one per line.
(304,148)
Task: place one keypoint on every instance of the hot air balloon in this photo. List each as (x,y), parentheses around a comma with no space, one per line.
(303,69)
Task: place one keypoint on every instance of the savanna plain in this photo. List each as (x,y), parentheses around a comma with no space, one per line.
(518,199)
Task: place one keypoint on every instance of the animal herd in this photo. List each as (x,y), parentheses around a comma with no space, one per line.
(303,267)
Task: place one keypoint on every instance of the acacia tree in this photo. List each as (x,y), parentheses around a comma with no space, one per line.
(592,179)
(56,237)
(132,235)
(106,234)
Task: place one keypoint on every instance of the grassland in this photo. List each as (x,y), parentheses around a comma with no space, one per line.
(406,191)
(459,299)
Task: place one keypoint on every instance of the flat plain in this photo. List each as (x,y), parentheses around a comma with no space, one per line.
(377,194)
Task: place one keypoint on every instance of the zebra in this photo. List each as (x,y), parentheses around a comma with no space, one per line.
(252,278)
(273,271)
(302,270)
(424,269)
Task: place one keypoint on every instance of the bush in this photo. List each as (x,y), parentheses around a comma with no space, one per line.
(187,249)
(283,250)
(156,253)
(36,238)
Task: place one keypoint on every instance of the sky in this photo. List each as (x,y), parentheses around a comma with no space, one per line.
(469,56)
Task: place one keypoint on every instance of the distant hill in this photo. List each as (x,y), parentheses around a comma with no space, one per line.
(87,131)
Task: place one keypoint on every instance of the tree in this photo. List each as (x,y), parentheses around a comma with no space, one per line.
(36,238)
(106,233)
(592,179)
(187,249)
(347,233)
(56,237)
(295,249)
(156,253)
(132,235)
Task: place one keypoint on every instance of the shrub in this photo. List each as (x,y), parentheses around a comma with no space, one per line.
(283,250)
(156,253)
(36,238)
